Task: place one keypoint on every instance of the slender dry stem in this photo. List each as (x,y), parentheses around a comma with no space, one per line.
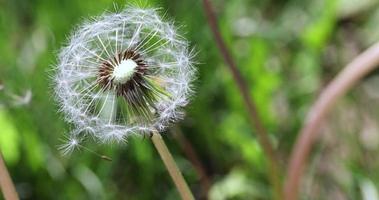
(6,184)
(252,111)
(191,154)
(171,166)
(346,79)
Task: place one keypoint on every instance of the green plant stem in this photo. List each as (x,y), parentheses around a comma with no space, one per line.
(255,121)
(345,80)
(6,184)
(171,166)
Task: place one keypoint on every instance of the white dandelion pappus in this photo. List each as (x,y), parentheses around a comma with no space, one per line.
(123,73)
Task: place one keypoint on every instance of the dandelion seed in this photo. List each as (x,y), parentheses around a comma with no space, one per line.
(123,74)
(69,146)
(22,100)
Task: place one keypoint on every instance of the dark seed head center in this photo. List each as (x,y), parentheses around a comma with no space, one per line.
(119,71)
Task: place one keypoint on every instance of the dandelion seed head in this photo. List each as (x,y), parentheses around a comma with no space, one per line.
(123,74)
(123,71)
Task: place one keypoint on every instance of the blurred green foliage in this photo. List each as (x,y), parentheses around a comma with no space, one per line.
(287,50)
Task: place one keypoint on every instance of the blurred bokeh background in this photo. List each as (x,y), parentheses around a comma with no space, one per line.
(287,51)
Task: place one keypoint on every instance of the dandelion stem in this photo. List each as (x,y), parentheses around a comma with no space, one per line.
(255,121)
(171,166)
(6,184)
(345,80)
(191,154)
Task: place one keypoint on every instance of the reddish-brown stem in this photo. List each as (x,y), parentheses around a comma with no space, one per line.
(346,79)
(193,157)
(6,184)
(1,85)
(254,118)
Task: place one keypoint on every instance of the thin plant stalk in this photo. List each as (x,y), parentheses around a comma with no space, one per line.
(7,187)
(255,121)
(171,167)
(191,154)
(345,80)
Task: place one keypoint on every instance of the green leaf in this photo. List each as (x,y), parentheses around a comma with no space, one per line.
(9,139)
